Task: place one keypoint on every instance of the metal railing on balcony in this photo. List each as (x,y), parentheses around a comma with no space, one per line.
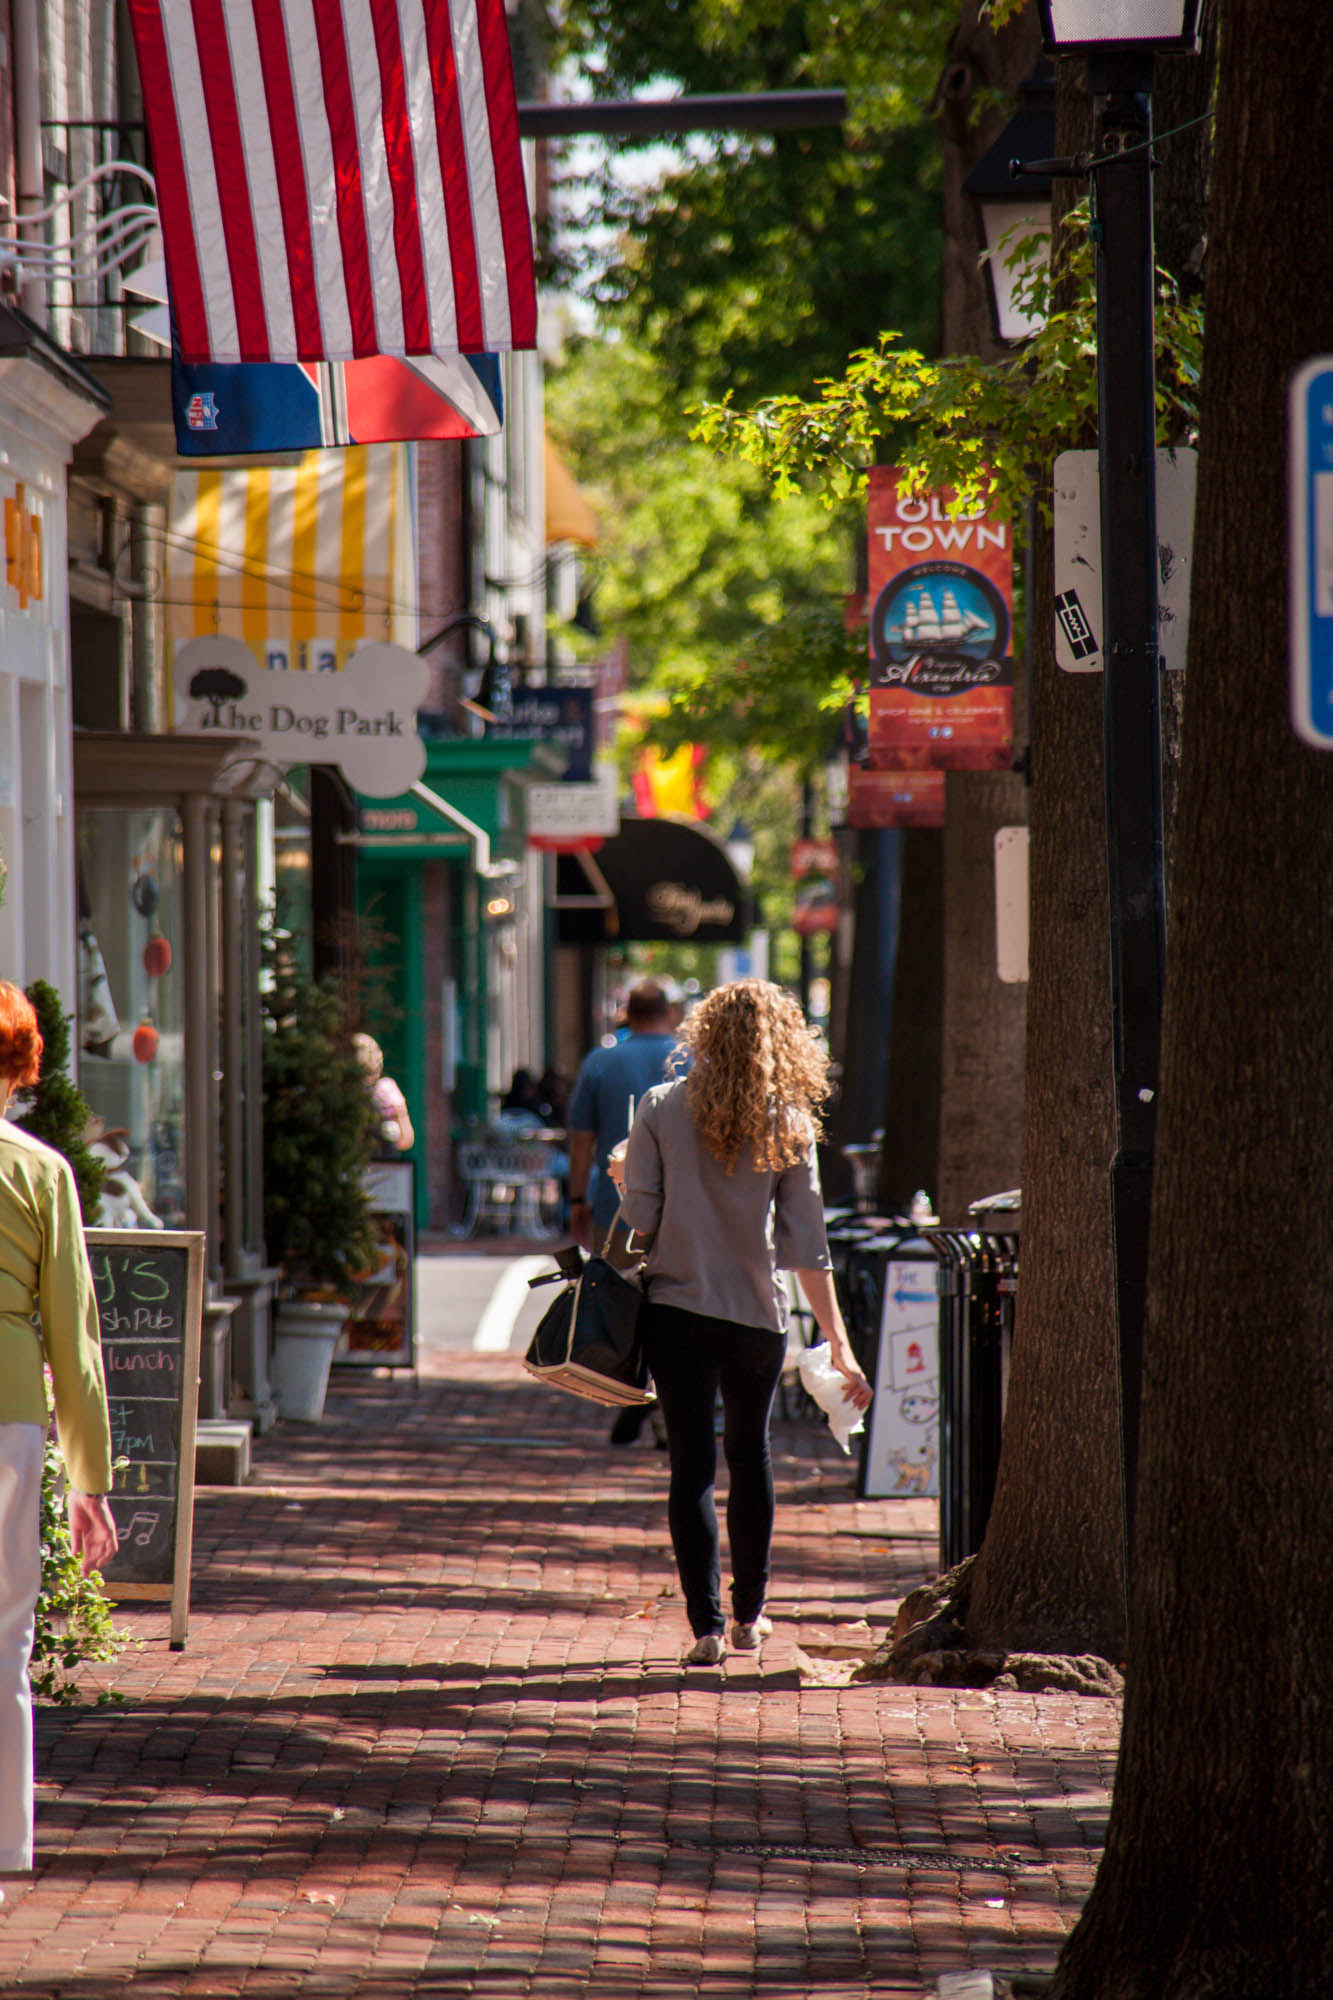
(99,217)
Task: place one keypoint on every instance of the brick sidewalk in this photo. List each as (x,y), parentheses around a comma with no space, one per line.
(429,1737)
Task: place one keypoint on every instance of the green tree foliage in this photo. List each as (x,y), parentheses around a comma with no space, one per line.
(320,1129)
(759,261)
(731,601)
(700,569)
(958,421)
(56,1110)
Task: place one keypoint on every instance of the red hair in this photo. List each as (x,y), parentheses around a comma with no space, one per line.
(20,1038)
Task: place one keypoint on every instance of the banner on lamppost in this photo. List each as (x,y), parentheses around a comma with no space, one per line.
(941,619)
(815,870)
(878,799)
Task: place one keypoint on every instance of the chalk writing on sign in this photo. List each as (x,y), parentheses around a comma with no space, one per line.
(141,1296)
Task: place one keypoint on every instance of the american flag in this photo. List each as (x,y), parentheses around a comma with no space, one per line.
(337,178)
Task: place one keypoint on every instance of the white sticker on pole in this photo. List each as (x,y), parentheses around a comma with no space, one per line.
(1011,905)
(1078,558)
(1310,551)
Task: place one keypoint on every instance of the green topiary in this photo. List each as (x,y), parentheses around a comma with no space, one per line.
(320,1129)
(57,1110)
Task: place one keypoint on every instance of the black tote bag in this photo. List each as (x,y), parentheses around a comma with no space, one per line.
(588,1339)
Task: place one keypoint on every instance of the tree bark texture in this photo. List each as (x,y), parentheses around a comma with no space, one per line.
(1215,1883)
(910,1155)
(982,1083)
(857,1112)
(1050,1573)
(1049,1577)
(981,1096)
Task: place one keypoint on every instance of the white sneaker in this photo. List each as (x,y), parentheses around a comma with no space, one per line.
(745,1638)
(709,1651)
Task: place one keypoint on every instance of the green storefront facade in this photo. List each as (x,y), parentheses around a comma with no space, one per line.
(428,917)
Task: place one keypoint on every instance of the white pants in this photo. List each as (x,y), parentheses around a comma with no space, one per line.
(20,1581)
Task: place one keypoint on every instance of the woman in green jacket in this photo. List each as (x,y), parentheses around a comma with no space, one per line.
(48,1317)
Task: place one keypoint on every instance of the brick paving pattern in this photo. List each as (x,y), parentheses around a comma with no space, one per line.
(429,1737)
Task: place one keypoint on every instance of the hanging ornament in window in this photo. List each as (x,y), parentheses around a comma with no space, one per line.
(157,956)
(145,1041)
(143,889)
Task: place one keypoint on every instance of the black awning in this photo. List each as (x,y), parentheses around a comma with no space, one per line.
(670,883)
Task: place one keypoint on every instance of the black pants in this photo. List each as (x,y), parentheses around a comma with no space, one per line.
(691,1357)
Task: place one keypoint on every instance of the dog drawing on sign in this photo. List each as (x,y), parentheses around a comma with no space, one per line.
(913,1470)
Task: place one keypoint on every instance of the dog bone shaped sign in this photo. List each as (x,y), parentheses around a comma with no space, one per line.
(363,719)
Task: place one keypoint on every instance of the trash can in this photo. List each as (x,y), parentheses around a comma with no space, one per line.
(978,1282)
(930,1315)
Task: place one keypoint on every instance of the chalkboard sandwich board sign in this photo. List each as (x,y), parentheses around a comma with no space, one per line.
(150,1296)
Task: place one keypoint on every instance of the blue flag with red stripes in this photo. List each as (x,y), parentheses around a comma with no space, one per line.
(264,407)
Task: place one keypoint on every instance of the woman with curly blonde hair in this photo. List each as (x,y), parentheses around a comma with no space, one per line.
(720,1173)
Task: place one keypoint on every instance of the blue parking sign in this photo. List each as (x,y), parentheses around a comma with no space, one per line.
(1310,558)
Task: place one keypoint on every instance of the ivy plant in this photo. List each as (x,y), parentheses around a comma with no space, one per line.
(74,1622)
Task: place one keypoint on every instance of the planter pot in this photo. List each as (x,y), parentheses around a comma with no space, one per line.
(305,1334)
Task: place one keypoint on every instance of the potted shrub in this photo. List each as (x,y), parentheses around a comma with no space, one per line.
(319,1135)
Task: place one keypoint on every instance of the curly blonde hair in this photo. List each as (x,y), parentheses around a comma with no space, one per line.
(759,1075)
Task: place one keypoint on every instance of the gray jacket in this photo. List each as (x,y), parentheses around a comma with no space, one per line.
(718,1239)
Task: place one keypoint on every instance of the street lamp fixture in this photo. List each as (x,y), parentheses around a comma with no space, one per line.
(1013,213)
(1108,27)
(492,695)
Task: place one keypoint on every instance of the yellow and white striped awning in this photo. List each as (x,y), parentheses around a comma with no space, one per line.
(301,562)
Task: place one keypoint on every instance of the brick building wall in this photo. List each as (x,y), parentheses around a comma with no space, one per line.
(442,563)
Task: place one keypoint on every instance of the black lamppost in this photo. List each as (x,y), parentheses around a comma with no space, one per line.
(1120,39)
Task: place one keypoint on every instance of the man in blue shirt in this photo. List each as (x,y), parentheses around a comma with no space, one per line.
(609,1083)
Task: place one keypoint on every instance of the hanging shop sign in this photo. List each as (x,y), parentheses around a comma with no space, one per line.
(363,719)
(663,881)
(1078,558)
(941,619)
(814,867)
(25,568)
(558,716)
(880,799)
(578,815)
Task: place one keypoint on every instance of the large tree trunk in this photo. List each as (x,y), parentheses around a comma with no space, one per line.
(1049,1577)
(1220,1850)
(981,1104)
(910,1154)
(1050,1574)
(981,1081)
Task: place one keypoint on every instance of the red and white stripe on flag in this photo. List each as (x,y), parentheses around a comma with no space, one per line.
(337,178)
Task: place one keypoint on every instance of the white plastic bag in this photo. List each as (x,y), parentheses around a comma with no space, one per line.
(827,1387)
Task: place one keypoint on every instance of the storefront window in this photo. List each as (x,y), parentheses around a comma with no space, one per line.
(291,914)
(132,1007)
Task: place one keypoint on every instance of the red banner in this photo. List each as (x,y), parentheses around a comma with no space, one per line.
(941,617)
(814,865)
(894,798)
